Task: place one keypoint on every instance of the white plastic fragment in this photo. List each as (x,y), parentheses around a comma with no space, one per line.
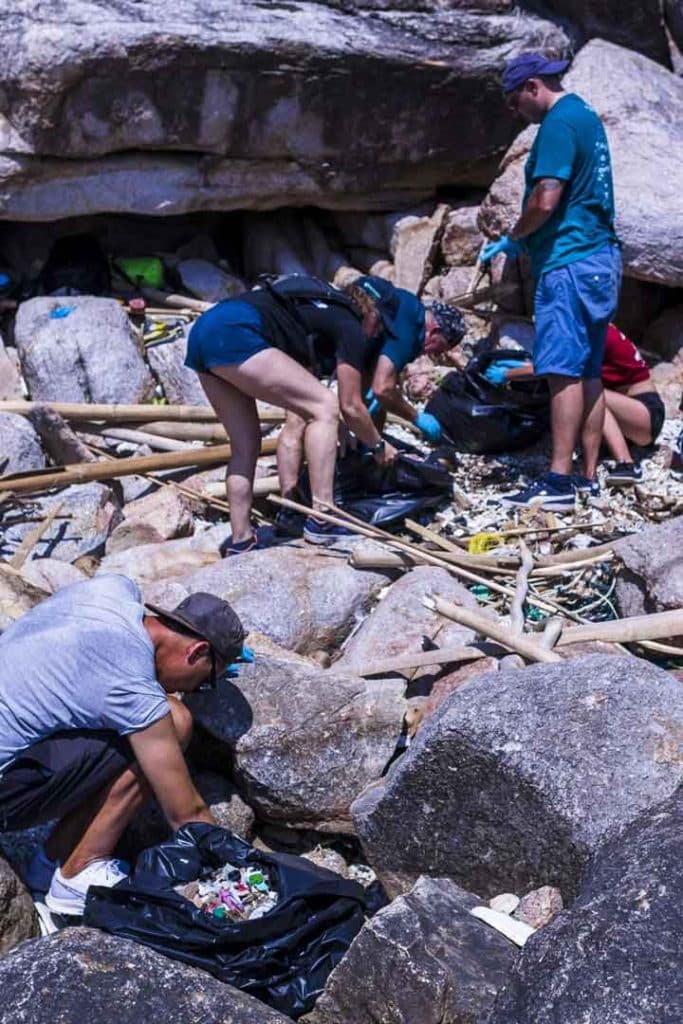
(515,931)
(506,903)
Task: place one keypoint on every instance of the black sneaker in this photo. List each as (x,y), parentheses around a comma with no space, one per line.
(553,491)
(582,485)
(316,532)
(228,549)
(624,474)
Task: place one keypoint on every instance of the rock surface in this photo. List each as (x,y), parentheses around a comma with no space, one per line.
(79,974)
(615,956)
(651,577)
(631,94)
(424,959)
(539,907)
(304,741)
(228,105)
(20,449)
(462,239)
(10,374)
(163,515)
(90,355)
(400,620)
(87,515)
(153,564)
(415,246)
(301,599)
(18,919)
(180,383)
(513,783)
(17,594)
(665,334)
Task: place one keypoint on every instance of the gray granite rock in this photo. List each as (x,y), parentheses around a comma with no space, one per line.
(300,598)
(180,383)
(303,741)
(90,355)
(424,959)
(20,449)
(650,577)
(641,105)
(519,776)
(82,975)
(616,957)
(400,620)
(18,919)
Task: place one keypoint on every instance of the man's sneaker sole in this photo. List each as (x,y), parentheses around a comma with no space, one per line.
(550,504)
(67,907)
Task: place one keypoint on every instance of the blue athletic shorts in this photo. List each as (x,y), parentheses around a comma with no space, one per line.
(573,306)
(228,333)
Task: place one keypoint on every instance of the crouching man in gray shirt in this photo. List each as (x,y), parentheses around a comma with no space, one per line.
(88,730)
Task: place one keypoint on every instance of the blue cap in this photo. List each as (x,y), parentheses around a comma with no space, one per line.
(386,297)
(530,65)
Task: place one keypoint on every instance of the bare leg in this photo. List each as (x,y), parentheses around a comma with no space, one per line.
(616,442)
(632,416)
(91,832)
(593,425)
(237,412)
(290,452)
(273,377)
(566,408)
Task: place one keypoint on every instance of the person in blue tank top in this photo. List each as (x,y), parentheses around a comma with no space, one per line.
(567,228)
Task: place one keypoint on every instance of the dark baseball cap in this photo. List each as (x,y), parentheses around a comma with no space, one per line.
(208,618)
(386,298)
(530,65)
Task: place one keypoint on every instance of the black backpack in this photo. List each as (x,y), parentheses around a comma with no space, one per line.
(477,416)
(283,319)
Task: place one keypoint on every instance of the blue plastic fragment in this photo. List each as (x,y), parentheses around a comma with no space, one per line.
(59,312)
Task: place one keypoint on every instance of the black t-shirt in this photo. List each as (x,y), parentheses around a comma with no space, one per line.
(338,335)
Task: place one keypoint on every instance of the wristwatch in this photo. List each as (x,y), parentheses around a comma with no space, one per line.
(378,448)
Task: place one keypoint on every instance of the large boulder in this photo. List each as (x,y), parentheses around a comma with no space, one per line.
(151,565)
(424,958)
(17,594)
(650,577)
(233,105)
(304,741)
(641,104)
(518,777)
(665,334)
(616,957)
(10,374)
(91,354)
(300,598)
(86,514)
(20,449)
(81,974)
(18,918)
(400,621)
(162,515)
(180,383)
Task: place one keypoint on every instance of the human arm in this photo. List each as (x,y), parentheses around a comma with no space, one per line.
(499,373)
(540,206)
(158,753)
(354,411)
(385,387)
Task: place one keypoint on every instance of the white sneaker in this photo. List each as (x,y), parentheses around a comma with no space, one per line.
(47,925)
(67,895)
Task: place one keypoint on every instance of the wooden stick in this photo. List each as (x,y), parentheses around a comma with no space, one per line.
(658,626)
(61,442)
(209,433)
(458,556)
(163,444)
(491,628)
(552,632)
(175,301)
(652,645)
(32,538)
(108,470)
(140,413)
(442,656)
(521,590)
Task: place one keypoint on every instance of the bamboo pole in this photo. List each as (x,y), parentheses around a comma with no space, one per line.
(140,413)
(491,628)
(421,659)
(658,626)
(32,538)
(108,470)
(163,444)
(209,433)
(173,301)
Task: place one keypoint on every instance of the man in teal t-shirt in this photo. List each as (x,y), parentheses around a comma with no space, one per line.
(567,227)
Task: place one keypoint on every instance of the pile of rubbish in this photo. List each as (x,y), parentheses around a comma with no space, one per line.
(238,894)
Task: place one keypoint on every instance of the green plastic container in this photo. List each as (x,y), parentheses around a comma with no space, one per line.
(147,271)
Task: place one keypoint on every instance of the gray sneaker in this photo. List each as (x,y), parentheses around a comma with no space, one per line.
(67,895)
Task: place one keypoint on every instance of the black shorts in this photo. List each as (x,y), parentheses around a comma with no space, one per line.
(51,778)
(655,407)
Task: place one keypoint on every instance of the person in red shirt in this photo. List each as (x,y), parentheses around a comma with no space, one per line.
(634,410)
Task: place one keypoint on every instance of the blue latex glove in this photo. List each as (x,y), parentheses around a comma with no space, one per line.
(495,373)
(246,657)
(429,425)
(372,402)
(504,244)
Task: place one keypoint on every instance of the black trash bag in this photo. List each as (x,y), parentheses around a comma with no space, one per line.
(478,416)
(282,958)
(76,265)
(385,495)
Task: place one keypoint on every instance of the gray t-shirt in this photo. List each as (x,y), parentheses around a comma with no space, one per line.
(82,659)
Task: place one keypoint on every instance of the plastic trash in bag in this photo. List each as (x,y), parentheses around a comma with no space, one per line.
(478,416)
(282,958)
(385,495)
